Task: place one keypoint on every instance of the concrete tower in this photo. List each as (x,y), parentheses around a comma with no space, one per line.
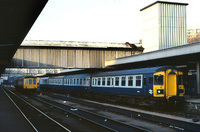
(164,25)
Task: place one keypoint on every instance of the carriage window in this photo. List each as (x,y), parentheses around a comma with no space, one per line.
(103,81)
(75,82)
(99,81)
(84,81)
(108,81)
(130,81)
(150,80)
(158,80)
(26,81)
(81,81)
(116,81)
(71,81)
(123,81)
(92,81)
(88,81)
(138,80)
(34,81)
(30,81)
(111,81)
(96,81)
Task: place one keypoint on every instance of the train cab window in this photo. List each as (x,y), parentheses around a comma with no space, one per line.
(116,81)
(34,81)
(108,81)
(26,81)
(130,80)
(123,81)
(103,81)
(150,80)
(30,81)
(158,80)
(138,80)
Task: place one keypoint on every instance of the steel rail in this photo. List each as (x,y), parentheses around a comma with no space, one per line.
(99,116)
(66,129)
(20,111)
(173,123)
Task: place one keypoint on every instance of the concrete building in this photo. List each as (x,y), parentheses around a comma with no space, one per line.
(193,35)
(164,25)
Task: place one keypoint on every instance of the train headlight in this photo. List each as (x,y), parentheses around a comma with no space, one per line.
(160,91)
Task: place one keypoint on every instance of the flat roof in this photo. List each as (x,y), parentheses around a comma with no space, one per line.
(164,2)
(171,56)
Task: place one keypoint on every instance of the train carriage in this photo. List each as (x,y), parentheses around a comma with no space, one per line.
(43,83)
(146,82)
(27,83)
(164,82)
(77,83)
(55,83)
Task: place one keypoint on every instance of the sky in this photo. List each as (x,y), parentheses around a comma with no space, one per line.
(116,21)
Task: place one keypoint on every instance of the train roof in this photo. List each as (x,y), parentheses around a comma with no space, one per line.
(30,77)
(57,77)
(134,71)
(26,77)
(77,75)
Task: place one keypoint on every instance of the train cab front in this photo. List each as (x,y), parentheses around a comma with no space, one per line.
(168,84)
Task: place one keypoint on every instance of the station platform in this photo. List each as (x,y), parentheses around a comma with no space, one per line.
(11,120)
(193,100)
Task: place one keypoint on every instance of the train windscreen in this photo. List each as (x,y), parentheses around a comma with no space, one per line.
(158,79)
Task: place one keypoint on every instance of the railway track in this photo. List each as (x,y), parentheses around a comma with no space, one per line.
(35,117)
(182,125)
(78,120)
(95,119)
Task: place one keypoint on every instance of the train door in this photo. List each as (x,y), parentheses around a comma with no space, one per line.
(148,84)
(171,83)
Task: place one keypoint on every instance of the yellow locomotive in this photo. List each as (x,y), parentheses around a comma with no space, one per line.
(27,83)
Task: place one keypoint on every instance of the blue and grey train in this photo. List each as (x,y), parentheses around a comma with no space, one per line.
(156,82)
